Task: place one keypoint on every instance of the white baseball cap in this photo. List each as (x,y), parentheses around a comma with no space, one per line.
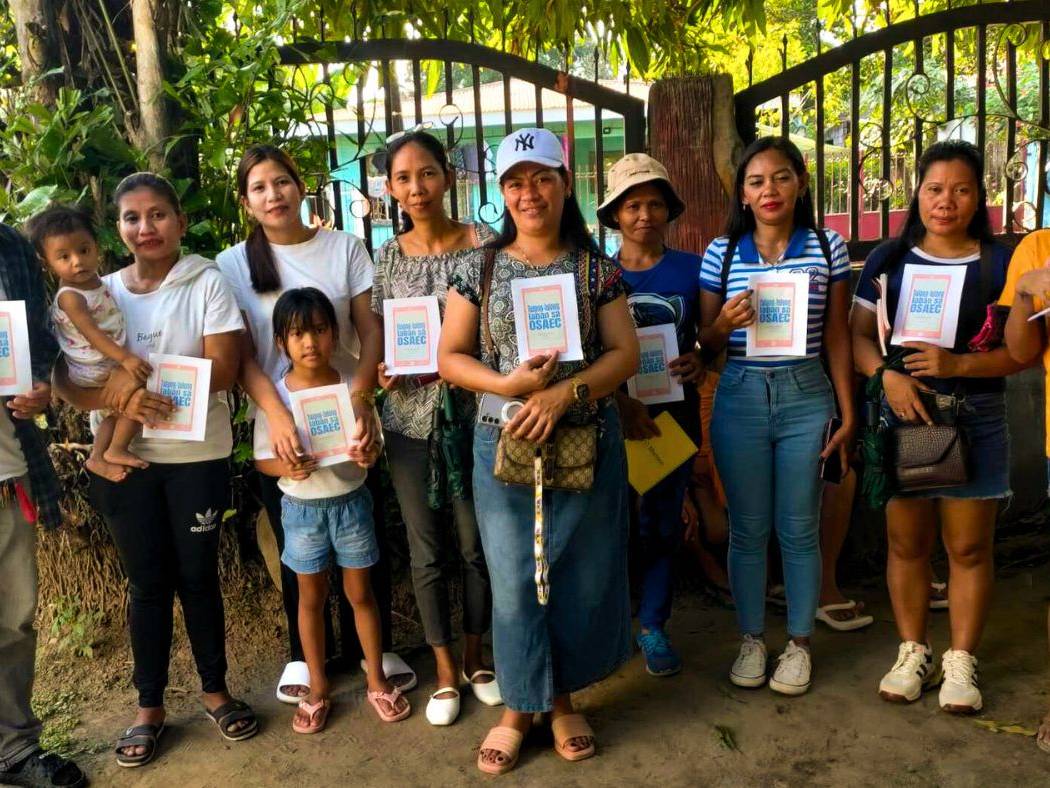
(537,146)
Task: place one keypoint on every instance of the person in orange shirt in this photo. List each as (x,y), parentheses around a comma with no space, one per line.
(1027,292)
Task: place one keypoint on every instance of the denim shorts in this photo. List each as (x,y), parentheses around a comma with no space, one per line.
(983,418)
(314,529)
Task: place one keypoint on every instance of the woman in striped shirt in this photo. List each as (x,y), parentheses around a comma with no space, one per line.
(771,410)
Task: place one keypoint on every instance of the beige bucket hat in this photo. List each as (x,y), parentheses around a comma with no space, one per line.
(632,170)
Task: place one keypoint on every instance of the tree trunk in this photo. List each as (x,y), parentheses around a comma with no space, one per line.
(36,28)
(153,128)
(687,134)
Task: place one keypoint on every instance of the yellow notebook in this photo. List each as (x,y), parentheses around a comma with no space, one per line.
(650,460)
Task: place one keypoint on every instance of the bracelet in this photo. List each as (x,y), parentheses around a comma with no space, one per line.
(368,397)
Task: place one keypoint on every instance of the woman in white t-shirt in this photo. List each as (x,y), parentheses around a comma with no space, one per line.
(165,519)
(282,253)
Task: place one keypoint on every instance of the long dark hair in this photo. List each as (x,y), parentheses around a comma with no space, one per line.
(261,263)
(427,142)
(573,227)
(147,180)
(741,220)
(299,307)
(913,230)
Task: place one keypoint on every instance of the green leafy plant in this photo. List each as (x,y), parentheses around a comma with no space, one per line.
(74,629)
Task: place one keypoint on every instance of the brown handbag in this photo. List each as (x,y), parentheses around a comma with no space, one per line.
(929,456)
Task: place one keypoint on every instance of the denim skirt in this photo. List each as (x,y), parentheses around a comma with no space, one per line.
(983,418)
(584,631)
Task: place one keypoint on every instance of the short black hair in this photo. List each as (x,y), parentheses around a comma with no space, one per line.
(299,307)
(58,220)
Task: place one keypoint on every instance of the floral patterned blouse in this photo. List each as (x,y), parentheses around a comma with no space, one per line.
(605,286)
(409,408)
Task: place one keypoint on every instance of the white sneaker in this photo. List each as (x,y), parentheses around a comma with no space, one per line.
(959,693)
(793,671)
(749,670)
(912,674)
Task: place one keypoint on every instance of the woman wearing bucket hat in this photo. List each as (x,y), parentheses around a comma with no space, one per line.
(557,559)
(663,287)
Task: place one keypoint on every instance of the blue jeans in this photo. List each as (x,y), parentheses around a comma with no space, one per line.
(660,529)
(584,632)
(766,432)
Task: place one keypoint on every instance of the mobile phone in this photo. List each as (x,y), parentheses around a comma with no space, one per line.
(496,411)
(831,469)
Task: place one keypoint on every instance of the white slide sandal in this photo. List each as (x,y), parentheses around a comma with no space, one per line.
(858,621)
(393,665)
(294,673)
(487,692)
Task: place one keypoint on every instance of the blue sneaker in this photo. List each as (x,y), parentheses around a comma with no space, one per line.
(660,658)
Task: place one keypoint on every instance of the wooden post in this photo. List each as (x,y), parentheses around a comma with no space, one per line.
(692,133)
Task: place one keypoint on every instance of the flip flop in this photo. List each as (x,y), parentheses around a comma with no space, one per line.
(857,621)
(393,665)
(504,740)
(571,726)
(318,713)
(146,736)
(390,697)
(230,713)
(487,692)
(295,673)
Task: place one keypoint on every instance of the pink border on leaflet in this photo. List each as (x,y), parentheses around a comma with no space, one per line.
(525,292)
(167,425)
(13,377)
(775,343)
(915,281)
(398,311)
(342,426)
(666,389)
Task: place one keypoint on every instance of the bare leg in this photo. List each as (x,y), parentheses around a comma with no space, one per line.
(313,594)
(835,514)
(967,527)
(474,659)
(358,592)
(911,528)
(98,465)
(447,675)
(124,433)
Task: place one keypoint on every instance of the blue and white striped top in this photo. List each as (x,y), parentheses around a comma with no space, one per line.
(803,256)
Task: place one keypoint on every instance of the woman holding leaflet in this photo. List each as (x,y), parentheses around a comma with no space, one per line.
(771,411)
(555,637)
(947,228)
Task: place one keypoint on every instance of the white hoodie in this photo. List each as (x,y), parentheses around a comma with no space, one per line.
(191,303)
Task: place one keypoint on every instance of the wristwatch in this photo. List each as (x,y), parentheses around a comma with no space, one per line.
(581,392)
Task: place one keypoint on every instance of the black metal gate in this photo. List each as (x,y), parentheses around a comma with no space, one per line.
(866,109)
(466,94)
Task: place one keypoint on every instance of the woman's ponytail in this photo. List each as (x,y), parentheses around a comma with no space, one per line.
(261,263)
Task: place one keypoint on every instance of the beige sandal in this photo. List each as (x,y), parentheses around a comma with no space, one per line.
(568,727)
(503,740)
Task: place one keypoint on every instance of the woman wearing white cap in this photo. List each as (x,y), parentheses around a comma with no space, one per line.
(663,287)
(557,559)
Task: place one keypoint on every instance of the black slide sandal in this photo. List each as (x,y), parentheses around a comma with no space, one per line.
(138,736)
(231,713)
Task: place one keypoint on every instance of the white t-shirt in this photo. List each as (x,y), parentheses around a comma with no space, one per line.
(12,460)
(191,303)
(327,482)
(334,262)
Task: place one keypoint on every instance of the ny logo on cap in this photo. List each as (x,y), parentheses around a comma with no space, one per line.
(524,142)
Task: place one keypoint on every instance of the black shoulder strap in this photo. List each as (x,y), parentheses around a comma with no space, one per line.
(727,262)
(987,285)
(487,267)
(825,248)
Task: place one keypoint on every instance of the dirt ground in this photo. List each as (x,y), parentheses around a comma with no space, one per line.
(674,731)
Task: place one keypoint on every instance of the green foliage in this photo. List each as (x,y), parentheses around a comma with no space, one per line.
(74,629)
(69,152)
(59,711)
